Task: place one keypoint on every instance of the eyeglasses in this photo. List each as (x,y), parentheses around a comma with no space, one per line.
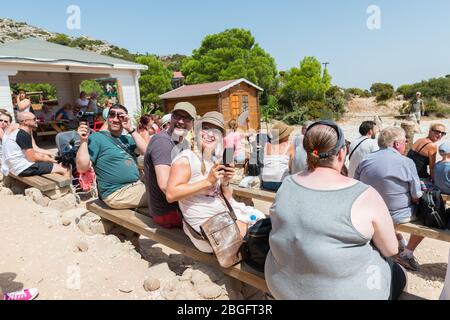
(179,117)
(113,115)
(440,132)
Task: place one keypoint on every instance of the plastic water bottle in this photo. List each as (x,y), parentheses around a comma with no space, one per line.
(252,220)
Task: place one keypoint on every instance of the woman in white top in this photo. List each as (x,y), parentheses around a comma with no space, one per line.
(23,103)
(197,182)
(278,157)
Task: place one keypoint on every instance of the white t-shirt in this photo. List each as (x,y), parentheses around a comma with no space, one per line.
(368,146)
(13,158)
(82,102)
(199,208)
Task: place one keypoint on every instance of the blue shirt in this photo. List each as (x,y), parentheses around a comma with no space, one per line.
(395,178)
(442,176)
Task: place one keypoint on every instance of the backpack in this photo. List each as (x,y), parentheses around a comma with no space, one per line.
(256,246)
(432,209)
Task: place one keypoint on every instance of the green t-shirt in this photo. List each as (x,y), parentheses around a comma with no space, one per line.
(115,168)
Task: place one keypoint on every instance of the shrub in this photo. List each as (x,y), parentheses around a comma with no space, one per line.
(437,108)
(358,92)
(382,91)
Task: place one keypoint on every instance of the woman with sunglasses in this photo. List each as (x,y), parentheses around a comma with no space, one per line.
(199,182)
(424,151)
(331,235)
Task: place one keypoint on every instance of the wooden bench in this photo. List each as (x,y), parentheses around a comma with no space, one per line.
(45,183)
(174,239)
(411,228)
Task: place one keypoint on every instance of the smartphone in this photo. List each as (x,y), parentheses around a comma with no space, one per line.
(228,157)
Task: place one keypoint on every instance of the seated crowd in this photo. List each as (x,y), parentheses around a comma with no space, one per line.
(342,248)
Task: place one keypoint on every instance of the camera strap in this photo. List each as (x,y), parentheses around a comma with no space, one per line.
(119,143)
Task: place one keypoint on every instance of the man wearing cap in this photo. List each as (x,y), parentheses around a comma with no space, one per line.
(157,162)
(442,169)
(113,157)
(417,107)
(22,157)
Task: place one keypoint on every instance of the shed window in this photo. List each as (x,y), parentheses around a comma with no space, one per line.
(244,103)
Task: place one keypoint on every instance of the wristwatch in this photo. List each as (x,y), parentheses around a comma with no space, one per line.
(132,131)
(226,185)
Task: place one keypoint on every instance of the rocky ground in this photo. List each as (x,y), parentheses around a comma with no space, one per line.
(64,252)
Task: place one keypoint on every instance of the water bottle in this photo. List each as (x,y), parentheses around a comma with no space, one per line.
(252,220)
(423,185)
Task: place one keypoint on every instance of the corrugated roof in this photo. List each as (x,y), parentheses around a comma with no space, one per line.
(41,51)
(205,89)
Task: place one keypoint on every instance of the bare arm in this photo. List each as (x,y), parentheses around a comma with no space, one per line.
(179,188)
(39,150)
(371,217)
(22,105)
(34,156)
(141,144)
(432,159)
(83,160)
(162,176)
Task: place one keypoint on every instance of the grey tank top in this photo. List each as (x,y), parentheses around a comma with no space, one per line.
(316,252)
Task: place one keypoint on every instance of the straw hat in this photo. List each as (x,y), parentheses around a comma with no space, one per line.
(281,130)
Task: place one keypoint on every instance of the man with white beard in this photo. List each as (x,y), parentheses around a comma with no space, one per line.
(157,162)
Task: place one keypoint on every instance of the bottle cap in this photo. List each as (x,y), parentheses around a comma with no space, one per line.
(253,218)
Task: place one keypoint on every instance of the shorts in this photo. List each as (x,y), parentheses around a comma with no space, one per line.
(398,280)
(37,169)
(131,196)
(169,220)
(411,218)
(417,115)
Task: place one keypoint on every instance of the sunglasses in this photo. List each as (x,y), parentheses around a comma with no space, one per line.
(113,115)
(440,132)
(180,117)
(4,121)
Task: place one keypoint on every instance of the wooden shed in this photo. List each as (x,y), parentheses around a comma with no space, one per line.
(231,98)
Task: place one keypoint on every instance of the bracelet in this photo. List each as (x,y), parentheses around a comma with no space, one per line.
(132,131)
(226,185)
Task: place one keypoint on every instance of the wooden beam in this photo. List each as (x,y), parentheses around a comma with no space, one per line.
(37,182)
(257,194)
(174,239)
(60,180)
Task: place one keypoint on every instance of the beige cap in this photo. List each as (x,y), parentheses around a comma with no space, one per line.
(215,118)
(187,107)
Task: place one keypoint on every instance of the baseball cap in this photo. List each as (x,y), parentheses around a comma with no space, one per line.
(187,107)
(215,118)
(166,119)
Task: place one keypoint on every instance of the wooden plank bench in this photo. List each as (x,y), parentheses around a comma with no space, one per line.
(45,183)
(411,228)
(174,239)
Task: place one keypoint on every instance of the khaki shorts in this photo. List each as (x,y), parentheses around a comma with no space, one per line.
(131,196)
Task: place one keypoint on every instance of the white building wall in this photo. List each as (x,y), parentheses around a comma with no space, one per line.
(5,92)
(130,91)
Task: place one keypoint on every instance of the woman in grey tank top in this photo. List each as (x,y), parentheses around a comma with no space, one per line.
(331,235)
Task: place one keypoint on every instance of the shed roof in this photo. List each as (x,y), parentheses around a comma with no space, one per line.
(35,50)
(205,89)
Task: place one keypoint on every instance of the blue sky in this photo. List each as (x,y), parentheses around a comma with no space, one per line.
(413,43)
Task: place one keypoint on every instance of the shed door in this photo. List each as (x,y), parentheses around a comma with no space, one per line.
(235,107)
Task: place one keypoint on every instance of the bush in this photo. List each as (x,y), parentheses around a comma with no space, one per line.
(358,92)
(436,87)
(437,108)
(384,95)
(382,91)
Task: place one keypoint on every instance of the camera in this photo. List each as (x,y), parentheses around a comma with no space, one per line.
(67,157)
(85,116)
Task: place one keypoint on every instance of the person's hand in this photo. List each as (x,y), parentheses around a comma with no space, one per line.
(217,173)
(228,174)
(126,124)
(83,132)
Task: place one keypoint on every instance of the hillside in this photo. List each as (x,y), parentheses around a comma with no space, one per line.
(11,30)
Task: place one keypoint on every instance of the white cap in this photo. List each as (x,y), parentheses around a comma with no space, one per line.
(166,119)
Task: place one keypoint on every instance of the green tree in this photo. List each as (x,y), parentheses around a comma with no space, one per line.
(90,86)
(229,55)
(154,81)
(306,83)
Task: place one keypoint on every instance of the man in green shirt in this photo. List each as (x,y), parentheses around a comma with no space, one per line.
(113,157)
